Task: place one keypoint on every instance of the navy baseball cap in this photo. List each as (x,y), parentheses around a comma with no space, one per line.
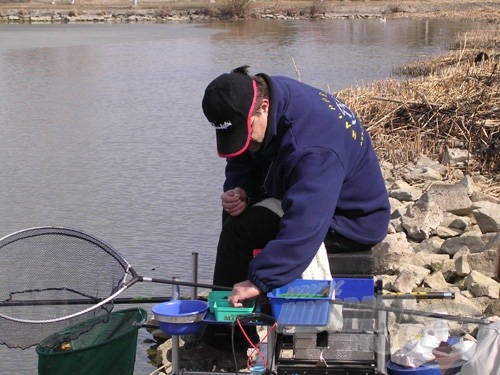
(228,104)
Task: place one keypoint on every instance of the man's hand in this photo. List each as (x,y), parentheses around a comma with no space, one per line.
(243,291)
(234,201)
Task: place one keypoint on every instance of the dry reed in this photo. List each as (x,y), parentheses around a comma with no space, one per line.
(452,102)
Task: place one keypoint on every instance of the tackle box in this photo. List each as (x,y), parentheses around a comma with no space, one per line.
(302,302)
(223,310)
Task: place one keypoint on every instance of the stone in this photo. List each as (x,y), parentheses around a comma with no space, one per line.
(395,207)
(472,241)
(436,281)
(410,276)
(484,262)
(420,220)
(481,285)
(446,232)
(449,197)
(493,308)
(438,262)
(426,162)
(424,174)
(493,242)
(402,191)
(462,266)
(461,223)
(387,281)
(448,270)
(464,250)
(460,306)
(487,216)
(430,245)
(468,182)
(391,252)
(456,157)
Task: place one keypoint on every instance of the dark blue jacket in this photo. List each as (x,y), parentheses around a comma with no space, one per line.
(318,159)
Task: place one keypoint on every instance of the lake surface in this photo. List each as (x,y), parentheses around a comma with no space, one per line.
(101,127)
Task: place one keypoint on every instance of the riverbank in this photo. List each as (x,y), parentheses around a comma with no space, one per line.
(74,11)
(447,102)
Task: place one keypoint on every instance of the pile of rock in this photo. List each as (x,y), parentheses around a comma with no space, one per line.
(443,236)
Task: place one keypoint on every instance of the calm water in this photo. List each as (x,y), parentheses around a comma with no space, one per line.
(101,127)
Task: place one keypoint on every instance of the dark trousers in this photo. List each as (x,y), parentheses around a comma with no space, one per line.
(253,229)
(240,235)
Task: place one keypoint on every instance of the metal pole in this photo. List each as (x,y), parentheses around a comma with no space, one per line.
(195,274)
(175,354)
(271,347)
(175,339)
(380,307)
(380,332)
(176,292)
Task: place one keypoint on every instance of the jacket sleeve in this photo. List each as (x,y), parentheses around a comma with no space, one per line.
(245,172)
(312,186)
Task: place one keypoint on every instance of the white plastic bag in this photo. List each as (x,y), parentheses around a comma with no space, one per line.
(486,358)
(417,351)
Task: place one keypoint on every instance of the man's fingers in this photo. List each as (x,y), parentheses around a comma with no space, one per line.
(233,300)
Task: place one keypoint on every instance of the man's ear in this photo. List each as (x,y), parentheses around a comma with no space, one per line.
(264,106)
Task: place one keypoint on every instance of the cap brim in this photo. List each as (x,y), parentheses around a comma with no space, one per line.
(235,140)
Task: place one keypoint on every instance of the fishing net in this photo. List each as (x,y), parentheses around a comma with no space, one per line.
(49,278)
(99,348)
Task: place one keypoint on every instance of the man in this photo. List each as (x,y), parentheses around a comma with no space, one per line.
(295,143)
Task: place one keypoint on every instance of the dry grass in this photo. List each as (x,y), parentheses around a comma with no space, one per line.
(454,102)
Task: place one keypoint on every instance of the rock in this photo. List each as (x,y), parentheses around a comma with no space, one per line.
(462,266)
(397,208)
(468,182)
(402,191)
(449,197)
(484,262)
(436,281)
(456,157)
(421,219)
(493,308)
(481,285)
(424,174)
(441,241)
(438,262)
(471,241)
(446,232)
(410,276)
(478,196)
(392,252)
(387,281)
(493,243)
(461,223)
(487,215)
(430,245)
(459,307)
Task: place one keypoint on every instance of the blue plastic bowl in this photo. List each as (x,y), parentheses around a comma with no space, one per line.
(180,317)
(430,368)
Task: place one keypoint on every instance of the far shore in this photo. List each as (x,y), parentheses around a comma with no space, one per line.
(135,11)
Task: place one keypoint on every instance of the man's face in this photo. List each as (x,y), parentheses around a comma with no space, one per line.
(259,125)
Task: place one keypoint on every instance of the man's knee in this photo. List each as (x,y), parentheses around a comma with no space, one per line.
(255,224)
